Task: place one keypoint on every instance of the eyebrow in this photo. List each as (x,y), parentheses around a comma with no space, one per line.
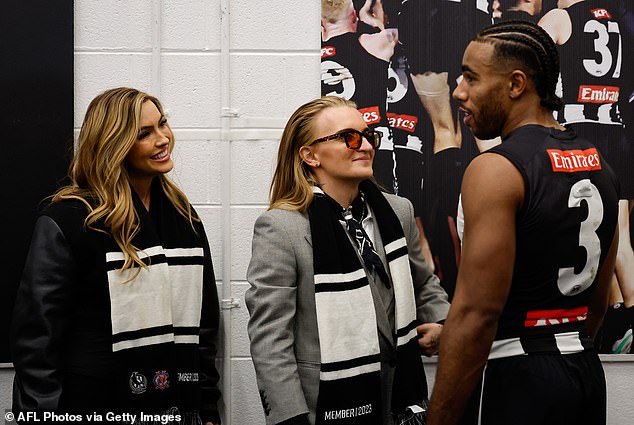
(465,68)
(145,127)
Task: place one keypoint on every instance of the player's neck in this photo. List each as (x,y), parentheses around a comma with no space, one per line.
(336,29)
(534,114)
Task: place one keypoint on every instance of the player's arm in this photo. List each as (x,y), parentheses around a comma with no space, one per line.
(381,44)
(558,25)
(599,301)
(373,14)
(492,192)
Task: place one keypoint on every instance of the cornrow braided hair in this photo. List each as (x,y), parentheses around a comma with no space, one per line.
(529,45)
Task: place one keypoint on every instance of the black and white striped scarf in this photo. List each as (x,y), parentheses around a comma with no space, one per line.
(350,377)
(156,317)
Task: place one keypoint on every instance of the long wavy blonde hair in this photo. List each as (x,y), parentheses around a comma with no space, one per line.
(292,185)
(98,173)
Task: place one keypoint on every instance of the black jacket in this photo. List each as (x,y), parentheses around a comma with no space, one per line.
(62,329)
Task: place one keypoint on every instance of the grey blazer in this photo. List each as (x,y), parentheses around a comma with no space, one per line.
(283,321)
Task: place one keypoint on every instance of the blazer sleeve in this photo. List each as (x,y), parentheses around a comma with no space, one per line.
(432,303)
(271,300)
(208,343)
(41,318)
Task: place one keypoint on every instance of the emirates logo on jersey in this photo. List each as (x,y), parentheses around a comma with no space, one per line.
(598,94)
(328,51)
(402,121)
(601,14)
(555,317)
(572,161)
(371,115)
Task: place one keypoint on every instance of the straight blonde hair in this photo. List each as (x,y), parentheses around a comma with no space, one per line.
(292,185)
(98,173)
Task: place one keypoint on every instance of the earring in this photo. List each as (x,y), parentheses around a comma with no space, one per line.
(316,164)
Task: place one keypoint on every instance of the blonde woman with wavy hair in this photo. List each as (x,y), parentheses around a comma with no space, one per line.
(117,309)
(341,302)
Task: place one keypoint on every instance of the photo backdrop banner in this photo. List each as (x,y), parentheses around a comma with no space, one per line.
(400,61)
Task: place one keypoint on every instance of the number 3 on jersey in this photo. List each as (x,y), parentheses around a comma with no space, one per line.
(569,282)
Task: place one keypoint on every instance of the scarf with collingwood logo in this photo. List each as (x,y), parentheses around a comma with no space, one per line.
(350,376)
(163,319)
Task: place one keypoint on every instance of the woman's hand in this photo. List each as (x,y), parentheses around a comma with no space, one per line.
(429,337)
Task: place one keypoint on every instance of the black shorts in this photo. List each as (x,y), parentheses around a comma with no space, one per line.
(618,151)
(540,389)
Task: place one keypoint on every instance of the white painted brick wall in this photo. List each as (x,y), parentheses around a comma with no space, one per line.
(274,68)
(274,65)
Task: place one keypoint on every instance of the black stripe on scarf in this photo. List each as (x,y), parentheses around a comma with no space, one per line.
(158,259)
(348,364)
(339,286)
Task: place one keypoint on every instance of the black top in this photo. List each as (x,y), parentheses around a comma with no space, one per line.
(83,339)
(564,230)
(349,71)
(591,64)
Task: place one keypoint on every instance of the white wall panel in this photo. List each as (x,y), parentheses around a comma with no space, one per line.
(239,337)
(113,24)
(190,25)
(251,170)
(194,169)
(275,25)
(242,219)
(191,87)
(98,71)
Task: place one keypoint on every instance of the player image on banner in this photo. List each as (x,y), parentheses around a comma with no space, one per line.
(591,36)
(354,66)
(400,61)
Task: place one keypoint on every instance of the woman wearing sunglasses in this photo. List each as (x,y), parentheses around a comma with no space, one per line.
(342,303)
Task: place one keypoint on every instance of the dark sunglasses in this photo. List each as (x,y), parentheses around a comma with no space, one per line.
(354,138)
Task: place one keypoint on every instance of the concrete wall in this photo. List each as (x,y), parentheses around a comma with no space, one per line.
(172,49)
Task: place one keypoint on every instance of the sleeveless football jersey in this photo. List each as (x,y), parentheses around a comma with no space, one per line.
(564,230)
(591,65)
(349,71)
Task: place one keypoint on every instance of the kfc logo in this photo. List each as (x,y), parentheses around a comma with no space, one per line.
(328,51)
(402,122)
(601,14)
(371,115)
